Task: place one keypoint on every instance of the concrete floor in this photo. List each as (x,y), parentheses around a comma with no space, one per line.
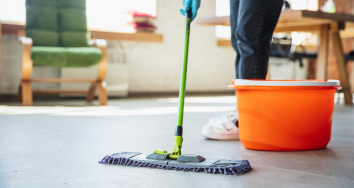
(59,146)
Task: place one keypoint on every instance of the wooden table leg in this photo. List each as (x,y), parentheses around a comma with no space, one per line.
(322,57)
(268,73)
(343,74)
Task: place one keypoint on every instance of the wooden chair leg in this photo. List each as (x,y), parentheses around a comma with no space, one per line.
(342,69)
(102,93)
(27,96)
(91,93)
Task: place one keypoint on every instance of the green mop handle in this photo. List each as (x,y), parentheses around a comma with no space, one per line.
(184,75)
(179,130)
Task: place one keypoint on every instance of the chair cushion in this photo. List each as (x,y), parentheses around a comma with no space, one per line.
(72,19)
(73,23)
(79,4)
(41,22)
(83,57)
(49,56)
(52,3)
(57,23)
(41,17)
(42,37)
(65,57)
(74,38)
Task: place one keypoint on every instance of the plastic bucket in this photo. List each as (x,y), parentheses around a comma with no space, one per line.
(285,115)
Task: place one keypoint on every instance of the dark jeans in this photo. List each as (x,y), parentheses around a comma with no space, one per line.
(252,25)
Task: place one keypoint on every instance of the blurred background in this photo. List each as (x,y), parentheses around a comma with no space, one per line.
(148,60)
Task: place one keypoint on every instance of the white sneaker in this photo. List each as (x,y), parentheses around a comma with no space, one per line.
(222,128)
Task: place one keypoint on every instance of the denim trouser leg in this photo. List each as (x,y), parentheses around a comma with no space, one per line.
(252,25)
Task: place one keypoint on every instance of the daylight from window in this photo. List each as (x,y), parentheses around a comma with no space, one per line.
(108,14)
(223,9)
(13,10)
(102,14)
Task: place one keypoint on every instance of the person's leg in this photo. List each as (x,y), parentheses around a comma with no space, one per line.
(252,29)
(256,21)
(224,128)
(234,6)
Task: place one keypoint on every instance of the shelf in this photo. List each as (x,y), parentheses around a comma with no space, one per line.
(9,27)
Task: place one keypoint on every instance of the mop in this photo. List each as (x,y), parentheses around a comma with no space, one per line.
(175,160)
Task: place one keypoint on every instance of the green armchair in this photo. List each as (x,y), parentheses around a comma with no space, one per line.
(56,34)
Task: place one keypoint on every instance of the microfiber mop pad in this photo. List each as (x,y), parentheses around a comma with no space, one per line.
(222,166)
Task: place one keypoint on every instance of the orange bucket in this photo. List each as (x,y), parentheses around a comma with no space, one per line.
(285,115)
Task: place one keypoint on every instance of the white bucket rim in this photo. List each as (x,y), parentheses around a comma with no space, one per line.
(245,82)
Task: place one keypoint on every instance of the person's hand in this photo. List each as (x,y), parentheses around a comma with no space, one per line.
(190,4)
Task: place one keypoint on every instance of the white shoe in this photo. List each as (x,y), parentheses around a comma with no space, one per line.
(222,128)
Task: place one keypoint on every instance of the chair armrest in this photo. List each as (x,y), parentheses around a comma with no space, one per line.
(21,33)
(26,41)
(103,64)
(98,43)
(92,43)
(27,63)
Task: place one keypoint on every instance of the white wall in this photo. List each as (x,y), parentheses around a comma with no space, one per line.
(154,67)
(11,67)
(157,66)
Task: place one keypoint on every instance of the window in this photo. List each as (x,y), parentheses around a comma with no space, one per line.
(222,9)
(13,10)
(107,14)
(101,14)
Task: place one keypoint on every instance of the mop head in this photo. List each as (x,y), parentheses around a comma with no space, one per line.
(222,166)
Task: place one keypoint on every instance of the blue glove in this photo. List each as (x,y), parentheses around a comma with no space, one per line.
(190,4)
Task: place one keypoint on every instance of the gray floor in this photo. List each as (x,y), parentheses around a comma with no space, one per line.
(46,146)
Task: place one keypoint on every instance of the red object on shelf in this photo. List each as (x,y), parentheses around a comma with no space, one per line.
(141,22)
(140,25)
(135,13)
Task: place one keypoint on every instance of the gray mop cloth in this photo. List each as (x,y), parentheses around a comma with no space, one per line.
(237,169)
